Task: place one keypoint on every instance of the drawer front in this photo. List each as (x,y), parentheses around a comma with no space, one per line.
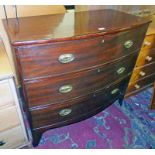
(12,138)
(73,109)
(57,89)
(8,118)
(145,57)
(58,58)
(6,97)
(149,42)
(141,72)
(137,86)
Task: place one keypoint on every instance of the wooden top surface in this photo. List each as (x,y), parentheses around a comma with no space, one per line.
(5,67)
(151,29)
(67,26)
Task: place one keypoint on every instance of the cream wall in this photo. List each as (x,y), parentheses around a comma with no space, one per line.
(24,11)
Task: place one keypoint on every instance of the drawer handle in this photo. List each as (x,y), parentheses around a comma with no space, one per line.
(2,143)
(65,112)
(121,70)
(102,41)
(128,43)
(65,89)
(137,86)
(66,58)
(147,43)
(101,28)
(142,73)
(148,58)
(116,90)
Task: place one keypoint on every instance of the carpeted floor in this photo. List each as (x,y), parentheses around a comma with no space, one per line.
(129,126)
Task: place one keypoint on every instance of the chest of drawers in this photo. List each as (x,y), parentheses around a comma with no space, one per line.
(74,65)
(144,71)
(12,128)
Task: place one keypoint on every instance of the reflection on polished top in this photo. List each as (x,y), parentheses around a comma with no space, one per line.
(41,29)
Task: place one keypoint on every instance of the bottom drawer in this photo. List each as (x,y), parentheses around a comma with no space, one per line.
(64,113)
(139,85)
(13,138)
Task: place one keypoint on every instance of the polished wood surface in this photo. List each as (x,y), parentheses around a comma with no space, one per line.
(80,106)
(145,63)
(103,53)
(143,71)
(46,91)
(145,57)
(141,84)
(49,28)
(89,52)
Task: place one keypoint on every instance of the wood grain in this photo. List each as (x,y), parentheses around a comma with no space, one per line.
(42,60)
(143,71)
(49,115)
(49,28)
(142,83)
(46,91)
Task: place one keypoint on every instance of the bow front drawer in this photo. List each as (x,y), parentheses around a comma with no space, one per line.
(56,89)
(70,56)
(76,109)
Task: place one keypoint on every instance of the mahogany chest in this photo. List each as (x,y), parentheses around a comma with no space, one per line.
(74,65)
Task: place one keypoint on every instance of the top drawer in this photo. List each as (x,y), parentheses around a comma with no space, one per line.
(64,57)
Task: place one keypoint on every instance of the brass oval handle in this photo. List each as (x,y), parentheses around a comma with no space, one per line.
(66,58)
(147,43)
(65,112)
(137,86)
(142,73)
(128,44)
(121,70)
(2,143)
(148,58)
(65,89)
(116,90)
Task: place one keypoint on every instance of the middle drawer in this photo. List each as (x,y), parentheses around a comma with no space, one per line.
(56,89)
